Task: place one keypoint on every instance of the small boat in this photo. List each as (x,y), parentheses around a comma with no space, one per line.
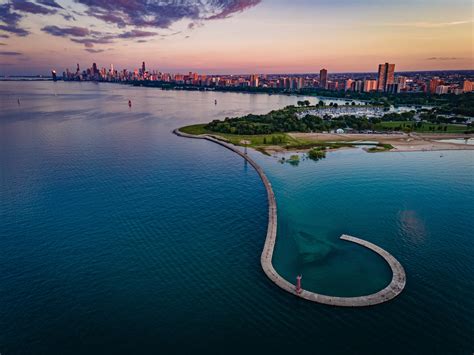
(129,103)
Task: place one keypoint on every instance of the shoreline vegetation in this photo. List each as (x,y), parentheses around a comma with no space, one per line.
(311,129)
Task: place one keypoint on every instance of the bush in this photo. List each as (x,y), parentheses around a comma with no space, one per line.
(316,154)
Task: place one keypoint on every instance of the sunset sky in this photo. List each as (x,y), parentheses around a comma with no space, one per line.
(235,36)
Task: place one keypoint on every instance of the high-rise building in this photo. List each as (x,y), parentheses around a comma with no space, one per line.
(468,86)
(434,83)
(349,84)
(370,85)
(402,82)
(323,78)
(300,83)
(143,68)
(442,89)
(359,86)
(254,79)
(386,76)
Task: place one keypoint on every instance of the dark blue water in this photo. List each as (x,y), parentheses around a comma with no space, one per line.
(118,237)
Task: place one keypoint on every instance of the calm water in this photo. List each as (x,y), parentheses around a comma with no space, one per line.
(117,236)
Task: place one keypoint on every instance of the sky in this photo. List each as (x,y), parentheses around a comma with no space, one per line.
(235,36)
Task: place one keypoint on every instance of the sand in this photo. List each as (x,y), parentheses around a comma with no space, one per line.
(403,142)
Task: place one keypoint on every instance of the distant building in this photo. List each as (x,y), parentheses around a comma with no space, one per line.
(442,89)
(332,85)
(53,74)
(468,86)
(359,86)
(300,84)
(254,80)
(402,82)
(349,85)
(393,88)
(323,78)
(386,76)
(370,85)
(434,83)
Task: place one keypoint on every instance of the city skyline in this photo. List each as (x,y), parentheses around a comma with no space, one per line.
(384,80)
(236,36)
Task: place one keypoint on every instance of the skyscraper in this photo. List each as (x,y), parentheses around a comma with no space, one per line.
(386,76)
(143,68)
(254,80)
(323,78)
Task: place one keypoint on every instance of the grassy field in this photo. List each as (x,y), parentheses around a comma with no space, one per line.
(263,142)
(280,139)
(425,127)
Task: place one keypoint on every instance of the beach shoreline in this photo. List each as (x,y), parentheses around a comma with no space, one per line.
(402,142)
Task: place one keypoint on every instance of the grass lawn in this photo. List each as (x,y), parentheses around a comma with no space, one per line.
(236,139)
(261,141)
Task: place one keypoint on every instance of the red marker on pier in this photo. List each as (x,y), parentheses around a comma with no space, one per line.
(298,284)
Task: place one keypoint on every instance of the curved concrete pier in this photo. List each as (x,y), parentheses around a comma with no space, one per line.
(398,273)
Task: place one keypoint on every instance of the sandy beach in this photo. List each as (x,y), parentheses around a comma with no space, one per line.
(401,142)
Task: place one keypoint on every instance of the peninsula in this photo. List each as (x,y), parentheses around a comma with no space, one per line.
(306,127)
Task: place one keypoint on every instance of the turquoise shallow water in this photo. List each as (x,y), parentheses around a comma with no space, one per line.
(117,236)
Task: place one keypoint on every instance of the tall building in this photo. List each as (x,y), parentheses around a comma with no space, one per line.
(402,82)
(143,67)
(370,85)
(300,83)
(442,89)
(254,80)
(386,76)
(323,78)
(434,83)
(468,86)
(349,85)
(359,85)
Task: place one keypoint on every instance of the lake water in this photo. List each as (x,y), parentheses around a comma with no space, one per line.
(116,236)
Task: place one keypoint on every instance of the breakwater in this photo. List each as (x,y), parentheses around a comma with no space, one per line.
(394,288)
